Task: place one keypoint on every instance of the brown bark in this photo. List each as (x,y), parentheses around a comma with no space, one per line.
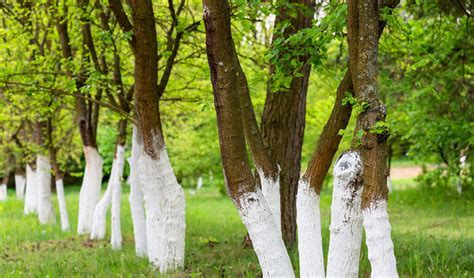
(329,139)
(220,53)
(146,75)
(252,133)
(363,47)
(283,122)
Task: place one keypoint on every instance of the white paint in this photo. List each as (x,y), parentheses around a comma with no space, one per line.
(308,219)
(199,184)
(30,191)
(62,205)
(3,192)
(90,190)
(136,196)
(20,183)
(346,217)
(165,212)
(379,244)
(389,184)
(116,238)
(100,211)
(266,239)
(271,192)
(462,170)
(45,203)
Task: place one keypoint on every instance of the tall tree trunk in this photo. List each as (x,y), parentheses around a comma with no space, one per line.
(31,189)
(363,30)
(3,186)
(163,196)
(241,186)
(283,120)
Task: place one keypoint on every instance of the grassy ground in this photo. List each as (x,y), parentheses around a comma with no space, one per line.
(433,233)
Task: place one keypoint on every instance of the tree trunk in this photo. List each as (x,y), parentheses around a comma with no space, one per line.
(363,30)
(3,186)
(20,183)
(31,190)
(45,203)
(241,186)
(136,196)
(163,196)
(100,211)
(283,121)
(346,217)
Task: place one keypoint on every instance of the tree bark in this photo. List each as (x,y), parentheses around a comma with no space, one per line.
(283,121)
(240,184)
(363,30)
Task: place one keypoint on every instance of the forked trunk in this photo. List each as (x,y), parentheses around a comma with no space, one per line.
(20,184)
(346,217)
(44,201)
(30,191)
(136,196)
(90,189)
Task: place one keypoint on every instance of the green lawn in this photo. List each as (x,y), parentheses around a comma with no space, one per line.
(433,235)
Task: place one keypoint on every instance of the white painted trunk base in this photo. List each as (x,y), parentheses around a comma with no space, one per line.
(165,212)
(116,238)
(20,183)
(62,205)
(45,203)
(100,211)
(30,191)
(271,192)
(266,239)
(90,190)
(379,244)
(308,219)
(346,217)
(3,192)
(136,196)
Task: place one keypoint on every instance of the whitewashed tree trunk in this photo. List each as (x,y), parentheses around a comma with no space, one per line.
(389,184)
(266,238)
(379,244)
(100,211)
(308,220)
(271,192)
(20,183)
(3,192)
(346,217)
(136,196)
(165,212)
(90,190)
(62,205)
(30,191)
(45,203)
(116,239)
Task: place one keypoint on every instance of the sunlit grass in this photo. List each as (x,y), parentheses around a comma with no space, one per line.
(433,233)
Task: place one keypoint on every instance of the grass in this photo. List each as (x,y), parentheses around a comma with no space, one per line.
(433,233)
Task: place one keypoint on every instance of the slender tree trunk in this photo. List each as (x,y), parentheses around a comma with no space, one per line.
(3,186)
(31,188)
(136,195)
(363,30)
(58,176)
(283,120)
(20,184)
(241,186)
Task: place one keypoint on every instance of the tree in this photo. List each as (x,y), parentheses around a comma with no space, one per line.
(283,118)
(240,183)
